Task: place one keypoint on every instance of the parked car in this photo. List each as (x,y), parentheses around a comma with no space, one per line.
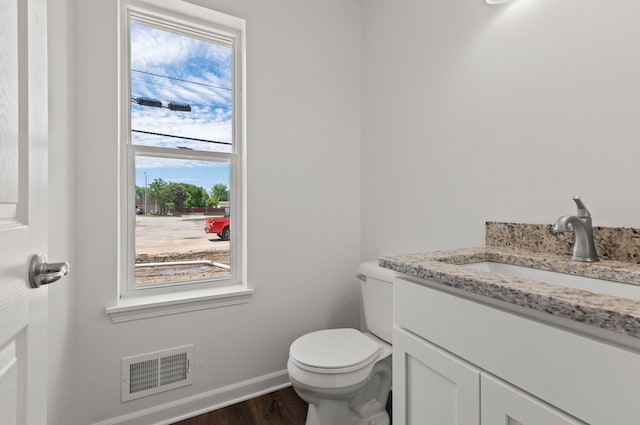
(219,226)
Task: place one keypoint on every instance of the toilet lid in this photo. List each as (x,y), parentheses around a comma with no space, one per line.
(334,349)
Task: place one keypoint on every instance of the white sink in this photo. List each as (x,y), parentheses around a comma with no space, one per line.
(597,286)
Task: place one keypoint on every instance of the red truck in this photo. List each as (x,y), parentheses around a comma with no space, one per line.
(218,226)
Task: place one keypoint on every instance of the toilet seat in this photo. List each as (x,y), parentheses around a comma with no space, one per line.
(320,360)
(334,351)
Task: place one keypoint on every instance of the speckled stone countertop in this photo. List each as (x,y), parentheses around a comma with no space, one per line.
(607,312)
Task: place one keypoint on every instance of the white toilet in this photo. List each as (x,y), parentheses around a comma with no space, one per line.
(344,374)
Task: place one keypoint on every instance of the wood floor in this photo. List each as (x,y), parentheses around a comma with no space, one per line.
(282,407)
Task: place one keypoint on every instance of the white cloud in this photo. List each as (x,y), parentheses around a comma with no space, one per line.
(215,126)
(151,47)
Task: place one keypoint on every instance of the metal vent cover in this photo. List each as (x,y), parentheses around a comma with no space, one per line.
(156,372)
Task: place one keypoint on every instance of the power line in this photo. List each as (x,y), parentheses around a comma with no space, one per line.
(180,79)
(182,88)
(181,137)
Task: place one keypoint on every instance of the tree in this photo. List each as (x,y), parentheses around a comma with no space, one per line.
(196,196)
(212,201)
(203,197)
(160,192)
(179,194)
(220,192)
(140,192)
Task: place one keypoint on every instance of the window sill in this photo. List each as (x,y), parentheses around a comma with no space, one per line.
(143,307)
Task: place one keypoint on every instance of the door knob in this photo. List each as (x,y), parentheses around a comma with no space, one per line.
(43,273)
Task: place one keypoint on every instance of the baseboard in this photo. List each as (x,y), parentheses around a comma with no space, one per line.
(198,404)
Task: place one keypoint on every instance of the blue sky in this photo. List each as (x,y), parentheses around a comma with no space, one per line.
(174,68)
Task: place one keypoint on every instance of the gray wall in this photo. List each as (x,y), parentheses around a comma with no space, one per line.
(62,323)
(474,112)
(303,80)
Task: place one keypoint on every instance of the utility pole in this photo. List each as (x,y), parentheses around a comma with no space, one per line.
(145,194)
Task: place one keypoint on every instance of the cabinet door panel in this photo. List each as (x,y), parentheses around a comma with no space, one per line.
(502,403)
(432,387)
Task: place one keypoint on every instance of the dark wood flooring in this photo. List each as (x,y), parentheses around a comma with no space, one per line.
(282,407)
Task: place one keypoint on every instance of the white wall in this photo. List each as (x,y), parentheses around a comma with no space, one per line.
(474,112)
(304,69)
(61,199)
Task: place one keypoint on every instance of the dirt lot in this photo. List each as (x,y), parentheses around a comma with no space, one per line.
(170,239)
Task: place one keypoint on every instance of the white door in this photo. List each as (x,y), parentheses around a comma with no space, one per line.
(23,215)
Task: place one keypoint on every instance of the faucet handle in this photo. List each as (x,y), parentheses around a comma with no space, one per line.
(583,212)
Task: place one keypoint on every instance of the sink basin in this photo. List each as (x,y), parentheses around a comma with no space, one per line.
(597,286)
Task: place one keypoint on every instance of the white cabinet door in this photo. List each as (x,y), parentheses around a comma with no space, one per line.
(23,210)
(503,404)
(430,386)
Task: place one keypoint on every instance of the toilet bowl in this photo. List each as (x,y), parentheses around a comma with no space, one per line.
(345,374)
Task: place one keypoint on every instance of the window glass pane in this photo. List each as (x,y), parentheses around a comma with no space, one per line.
(182,225)
(181,91)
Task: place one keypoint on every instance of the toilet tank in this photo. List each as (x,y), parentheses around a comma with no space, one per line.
(377,298)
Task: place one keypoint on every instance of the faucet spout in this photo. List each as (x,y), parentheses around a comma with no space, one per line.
(562,224)
(583,247)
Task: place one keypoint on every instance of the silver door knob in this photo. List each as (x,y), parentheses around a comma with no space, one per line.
(43,273)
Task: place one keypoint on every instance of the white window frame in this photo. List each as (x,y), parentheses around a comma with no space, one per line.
(208,25)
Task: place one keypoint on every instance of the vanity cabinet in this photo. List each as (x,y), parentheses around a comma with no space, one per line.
(435,387)
(458,360)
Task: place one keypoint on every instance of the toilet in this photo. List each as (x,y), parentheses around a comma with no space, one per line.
(345,374)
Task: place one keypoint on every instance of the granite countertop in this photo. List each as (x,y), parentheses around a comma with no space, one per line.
(607,312)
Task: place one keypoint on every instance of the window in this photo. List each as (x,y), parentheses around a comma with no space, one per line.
(182,156)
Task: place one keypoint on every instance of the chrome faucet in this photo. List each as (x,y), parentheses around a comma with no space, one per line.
(583,247)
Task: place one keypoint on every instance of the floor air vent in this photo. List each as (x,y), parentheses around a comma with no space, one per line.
(156,372)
